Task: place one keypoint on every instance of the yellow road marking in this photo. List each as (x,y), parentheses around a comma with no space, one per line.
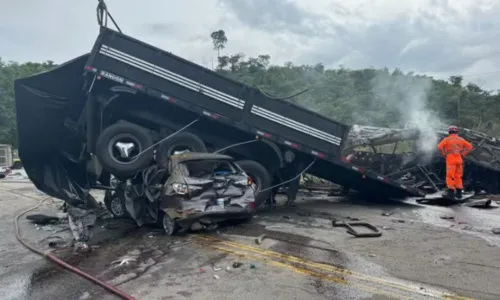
(333,269)
(304,271)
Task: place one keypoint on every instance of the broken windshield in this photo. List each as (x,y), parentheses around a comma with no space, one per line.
(208,168)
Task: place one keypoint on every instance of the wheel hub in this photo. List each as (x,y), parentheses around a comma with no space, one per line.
(125,149)
(116,206)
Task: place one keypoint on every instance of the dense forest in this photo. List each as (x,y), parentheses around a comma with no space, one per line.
(378,97)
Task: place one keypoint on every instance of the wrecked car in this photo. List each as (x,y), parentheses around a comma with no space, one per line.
(200,190)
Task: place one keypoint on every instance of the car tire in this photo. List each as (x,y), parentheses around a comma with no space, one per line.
(182,140)
(260,176)
(107,154)
(115,205)
(168,224)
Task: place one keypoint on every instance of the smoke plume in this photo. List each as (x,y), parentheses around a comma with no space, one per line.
(407,97)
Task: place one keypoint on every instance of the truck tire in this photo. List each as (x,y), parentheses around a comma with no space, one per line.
(260,176)
(125,163)
(180,141)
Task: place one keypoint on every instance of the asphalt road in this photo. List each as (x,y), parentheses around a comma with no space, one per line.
(419,256)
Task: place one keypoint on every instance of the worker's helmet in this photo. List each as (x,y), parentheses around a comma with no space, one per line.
(452,129)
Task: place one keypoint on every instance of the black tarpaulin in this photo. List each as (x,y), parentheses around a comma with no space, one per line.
(43,103)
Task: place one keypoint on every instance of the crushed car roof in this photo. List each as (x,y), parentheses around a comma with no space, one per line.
(189,156)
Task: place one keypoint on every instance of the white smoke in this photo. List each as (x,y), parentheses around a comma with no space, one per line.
(408,97)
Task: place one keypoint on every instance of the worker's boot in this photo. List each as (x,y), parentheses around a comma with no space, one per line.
(449,193)
(458,194)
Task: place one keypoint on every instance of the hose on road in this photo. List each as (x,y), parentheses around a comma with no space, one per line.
(59,262)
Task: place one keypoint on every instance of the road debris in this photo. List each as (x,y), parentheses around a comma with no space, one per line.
(481,203)
(259,239)
(496,230)
(349,225)
(252,266)
(398,221)
(304,213)
(237,264)
(273,226)
(387,214)
(124,261)
(216,269)
(216,276)
(41,219)
(447,217)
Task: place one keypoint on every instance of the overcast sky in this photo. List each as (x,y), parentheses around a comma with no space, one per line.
(435,37)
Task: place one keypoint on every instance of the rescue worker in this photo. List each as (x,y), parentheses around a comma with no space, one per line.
(454,147)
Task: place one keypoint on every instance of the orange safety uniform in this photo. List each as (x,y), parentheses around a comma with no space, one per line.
(453,148)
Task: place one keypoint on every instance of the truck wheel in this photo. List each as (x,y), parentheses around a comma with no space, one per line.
(118,148)
(180,142)
(260,176)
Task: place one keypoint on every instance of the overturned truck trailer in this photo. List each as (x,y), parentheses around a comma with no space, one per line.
(398,154)
(108,113)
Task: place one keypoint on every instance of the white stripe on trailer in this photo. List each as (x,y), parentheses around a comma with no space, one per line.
(267,114)
(171,76)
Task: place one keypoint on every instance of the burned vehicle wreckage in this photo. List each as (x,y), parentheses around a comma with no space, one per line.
(123,111)
(399,155)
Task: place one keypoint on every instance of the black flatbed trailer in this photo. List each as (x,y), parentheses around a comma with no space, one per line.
(132,63)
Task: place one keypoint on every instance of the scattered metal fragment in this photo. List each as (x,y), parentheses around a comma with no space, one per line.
(228,269)
(349,225)
(216,276)
(304,213)
(237,264)
(259,239)
(273,226)
(216,269)
(496,230)
(124,261)
(387,228)
(480,203)
(447,217)
(398,221)
(387,214)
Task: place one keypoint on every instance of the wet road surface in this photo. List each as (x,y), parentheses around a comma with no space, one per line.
(419,256)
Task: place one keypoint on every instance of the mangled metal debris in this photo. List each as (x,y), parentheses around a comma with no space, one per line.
(399,155)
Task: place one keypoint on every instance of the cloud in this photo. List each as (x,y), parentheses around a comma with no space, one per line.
(437,37)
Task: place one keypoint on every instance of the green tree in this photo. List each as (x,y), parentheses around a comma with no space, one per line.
(219,40)
(10,71)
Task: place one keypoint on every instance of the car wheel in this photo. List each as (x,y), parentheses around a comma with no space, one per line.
(115,205)
(182,141)
(120,149)
(169,224)
(261,178)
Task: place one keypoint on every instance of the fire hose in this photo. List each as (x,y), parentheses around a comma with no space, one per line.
(51,257)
